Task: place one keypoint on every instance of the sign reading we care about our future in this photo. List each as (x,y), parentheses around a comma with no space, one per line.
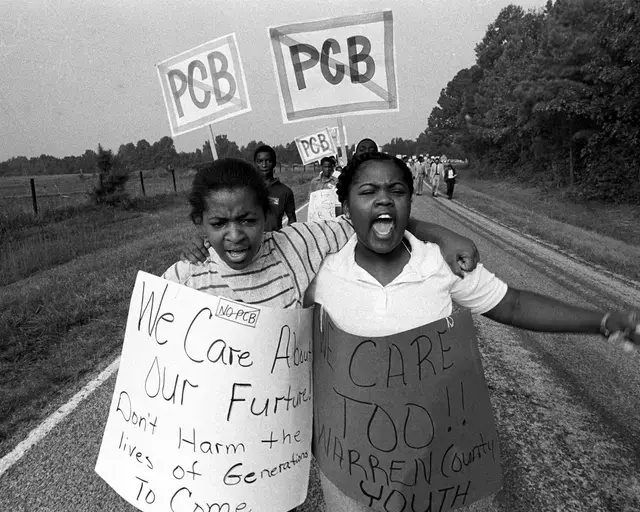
(336,66)
(315,146)
(404,422)
(212,404)
(204,85)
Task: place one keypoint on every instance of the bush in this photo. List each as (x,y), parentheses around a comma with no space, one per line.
(111,187)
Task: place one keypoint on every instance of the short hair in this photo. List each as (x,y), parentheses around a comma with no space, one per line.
(329,159)
(265,149)
(226,173)
(349,172)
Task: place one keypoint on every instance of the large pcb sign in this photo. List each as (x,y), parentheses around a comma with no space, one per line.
(337,66)
(212,405)
(204,85)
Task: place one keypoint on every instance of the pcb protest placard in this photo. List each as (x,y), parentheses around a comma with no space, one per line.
(212,404)
(404,422)
(315,146)
(204,85)
(337,66)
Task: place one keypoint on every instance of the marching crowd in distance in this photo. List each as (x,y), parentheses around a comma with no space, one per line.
(374,247)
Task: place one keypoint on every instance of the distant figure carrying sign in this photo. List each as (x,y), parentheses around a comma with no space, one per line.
(336,66)
(204,85)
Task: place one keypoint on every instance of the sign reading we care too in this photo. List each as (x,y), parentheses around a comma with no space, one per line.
(212,404)
(404,422)
(204,85)
(336,66)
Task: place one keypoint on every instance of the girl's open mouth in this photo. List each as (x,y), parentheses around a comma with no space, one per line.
(383,226)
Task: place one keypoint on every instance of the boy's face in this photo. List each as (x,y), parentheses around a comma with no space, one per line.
(327,169)
(233,222)
(265,163)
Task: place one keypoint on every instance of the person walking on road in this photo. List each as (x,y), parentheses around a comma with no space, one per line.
(326,179)
(420,174)
(281,197)
(437,170)
(450,178)
(382,260)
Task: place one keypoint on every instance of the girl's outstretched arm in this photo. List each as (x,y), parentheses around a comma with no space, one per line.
(535,312)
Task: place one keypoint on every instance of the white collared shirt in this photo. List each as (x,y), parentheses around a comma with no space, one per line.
(421,294)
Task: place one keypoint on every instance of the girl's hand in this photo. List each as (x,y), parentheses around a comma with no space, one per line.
(196,251)
(623,327)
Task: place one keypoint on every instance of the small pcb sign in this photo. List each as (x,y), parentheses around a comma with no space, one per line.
(336,66)
(204,85)
(315,146)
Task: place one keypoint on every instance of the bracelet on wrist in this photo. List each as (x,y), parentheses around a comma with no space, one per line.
(603,325)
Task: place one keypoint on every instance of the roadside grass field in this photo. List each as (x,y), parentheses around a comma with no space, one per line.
(65,280)
(60,191)
(604,234)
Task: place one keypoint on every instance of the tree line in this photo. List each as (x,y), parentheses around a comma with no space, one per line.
(553,98)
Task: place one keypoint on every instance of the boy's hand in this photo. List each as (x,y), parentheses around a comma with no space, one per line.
(196,251)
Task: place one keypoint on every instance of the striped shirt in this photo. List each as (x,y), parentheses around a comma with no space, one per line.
(279,275)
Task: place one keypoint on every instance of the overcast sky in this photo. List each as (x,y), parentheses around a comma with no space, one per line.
(76,73)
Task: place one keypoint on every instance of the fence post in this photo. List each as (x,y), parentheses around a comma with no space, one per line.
(33,195)
(142,184)
(173,175)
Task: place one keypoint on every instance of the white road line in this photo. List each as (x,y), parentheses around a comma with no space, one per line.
(39,433)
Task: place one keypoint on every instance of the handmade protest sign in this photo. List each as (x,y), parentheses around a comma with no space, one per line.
(404,422)
(204,85)
(322,205)
(315,146)
(337,66)
(212,404)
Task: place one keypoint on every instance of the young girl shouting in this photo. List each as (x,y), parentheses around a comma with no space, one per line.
(385,281)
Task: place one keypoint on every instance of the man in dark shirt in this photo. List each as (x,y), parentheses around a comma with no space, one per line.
(280,196)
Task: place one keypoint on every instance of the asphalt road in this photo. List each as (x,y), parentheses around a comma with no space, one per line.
(567,407)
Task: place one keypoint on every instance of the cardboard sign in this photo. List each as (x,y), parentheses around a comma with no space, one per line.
(337,66)
(212,404)
(315,146)
(322,205)
(204,85)
(404,422)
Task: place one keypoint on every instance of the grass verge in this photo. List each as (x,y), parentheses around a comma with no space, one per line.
(603,234)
